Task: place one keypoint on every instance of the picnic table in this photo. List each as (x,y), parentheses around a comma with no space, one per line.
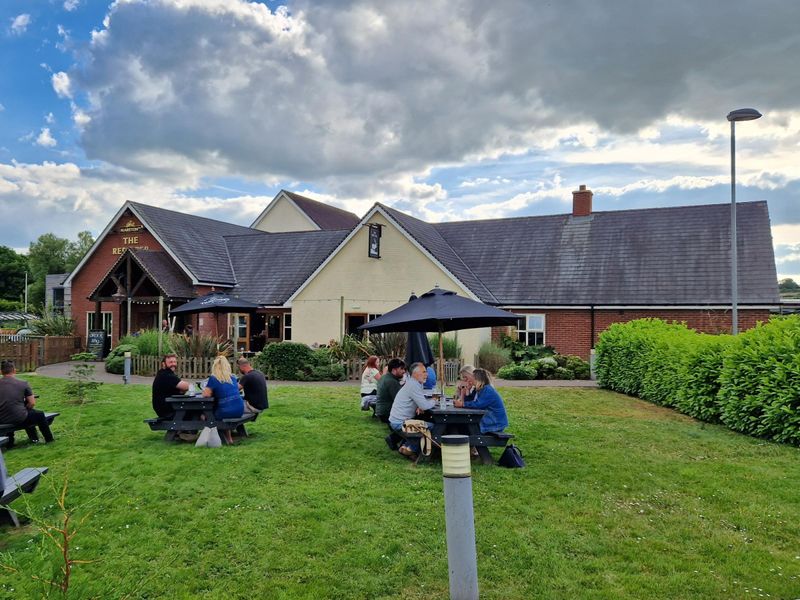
(188,411)
(8,429)
(12,486)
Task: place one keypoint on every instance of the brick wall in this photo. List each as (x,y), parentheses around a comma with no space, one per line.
(101,260)
(569,331)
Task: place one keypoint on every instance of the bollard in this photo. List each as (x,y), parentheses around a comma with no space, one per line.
(126,376)
(462,559)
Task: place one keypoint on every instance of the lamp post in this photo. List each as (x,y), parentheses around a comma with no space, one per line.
(459,518)
(741,114)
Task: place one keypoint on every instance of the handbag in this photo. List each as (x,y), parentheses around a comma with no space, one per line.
(511,458)
(209,437)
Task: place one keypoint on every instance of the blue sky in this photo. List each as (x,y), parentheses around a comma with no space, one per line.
(449,110)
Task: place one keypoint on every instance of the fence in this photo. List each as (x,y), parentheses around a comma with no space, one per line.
(31,352)
(188,368)
(355,366)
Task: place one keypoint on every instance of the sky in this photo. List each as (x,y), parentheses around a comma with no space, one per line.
(448,110)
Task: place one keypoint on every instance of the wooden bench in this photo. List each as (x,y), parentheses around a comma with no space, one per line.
(496,439)
(9,428)
(12,487)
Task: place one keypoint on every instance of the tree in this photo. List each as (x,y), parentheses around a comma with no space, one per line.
(788,285)
(52,254)
(12,273)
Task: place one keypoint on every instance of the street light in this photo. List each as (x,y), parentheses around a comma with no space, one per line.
(742,114)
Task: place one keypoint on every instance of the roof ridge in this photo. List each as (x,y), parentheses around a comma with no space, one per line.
(447,243)
(189,215)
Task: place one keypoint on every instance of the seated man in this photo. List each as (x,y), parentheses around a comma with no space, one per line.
(16,405)
(409,402)
(253,384)
(388,386)
(165,384)
(430,382)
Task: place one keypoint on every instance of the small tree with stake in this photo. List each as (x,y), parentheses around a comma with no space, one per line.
(81,375)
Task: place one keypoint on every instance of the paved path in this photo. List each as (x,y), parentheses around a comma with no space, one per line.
(61,371)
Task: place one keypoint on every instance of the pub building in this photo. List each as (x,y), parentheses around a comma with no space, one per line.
(318,272)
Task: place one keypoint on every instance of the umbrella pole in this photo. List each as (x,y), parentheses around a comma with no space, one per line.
(441,362)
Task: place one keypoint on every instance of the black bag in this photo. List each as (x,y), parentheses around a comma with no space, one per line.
(511,458)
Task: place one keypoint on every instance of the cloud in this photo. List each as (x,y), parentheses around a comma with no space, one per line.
(2,108)
(50,118)
(19,24)
(358,88)
(62,84)
(70,5)
(45,138)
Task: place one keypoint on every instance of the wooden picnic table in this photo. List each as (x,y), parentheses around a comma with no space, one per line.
(187,417)
(460,420)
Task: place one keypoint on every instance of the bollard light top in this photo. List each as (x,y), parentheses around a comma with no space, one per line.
(455,440)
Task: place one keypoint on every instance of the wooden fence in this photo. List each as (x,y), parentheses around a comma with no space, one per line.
(188,368)
(354,367)
(31,352)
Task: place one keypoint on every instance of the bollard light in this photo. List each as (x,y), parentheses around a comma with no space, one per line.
(126,374)
(462,560)
(456,456)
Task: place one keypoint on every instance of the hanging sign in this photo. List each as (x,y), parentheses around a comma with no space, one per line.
(374,249)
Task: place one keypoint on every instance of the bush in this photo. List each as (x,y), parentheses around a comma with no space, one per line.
(450,346)
(516,371)
(199,345)
(51,324)
(697,395)
(492,357)
(546,367)
(283,360)
(578,367)
(321,368)
(520,353)
(351,346)
(147,342)
(390,344)
(115,361)
(760,380)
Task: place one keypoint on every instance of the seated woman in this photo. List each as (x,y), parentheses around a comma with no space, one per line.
(487,398)
(370,377)
(224,388)
(465,388)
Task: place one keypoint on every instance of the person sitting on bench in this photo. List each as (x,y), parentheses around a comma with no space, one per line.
(223,387)
(17,402)
(166,384)
(486,397)
(409,402)
(253,384)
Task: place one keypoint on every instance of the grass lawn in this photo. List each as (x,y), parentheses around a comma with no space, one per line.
(620,499)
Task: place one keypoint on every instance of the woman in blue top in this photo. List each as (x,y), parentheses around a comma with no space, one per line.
(223,387)
(487,398)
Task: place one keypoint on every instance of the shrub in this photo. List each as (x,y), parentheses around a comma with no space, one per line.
(390,344)
(450,346)
(492,357)
(562,373)
(321,368)
(200,345)
(521,353)
(147,342)
(51,324)
(517,371)
(545,366)
(282,360)
(351,346)
(578,367)
(760,380)
(697,395)
(115,361)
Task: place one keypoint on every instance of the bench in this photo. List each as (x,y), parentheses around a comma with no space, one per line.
(12,487)
(9,428)
(494,439)
(173,427)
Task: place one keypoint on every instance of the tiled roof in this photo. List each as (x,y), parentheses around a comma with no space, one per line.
(428,236)
(325,216)
(164,273)
(271,266)
(198,242)
(660,256)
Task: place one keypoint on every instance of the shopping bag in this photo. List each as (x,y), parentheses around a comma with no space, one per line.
(511,458)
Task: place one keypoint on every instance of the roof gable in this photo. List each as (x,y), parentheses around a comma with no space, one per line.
(324,215)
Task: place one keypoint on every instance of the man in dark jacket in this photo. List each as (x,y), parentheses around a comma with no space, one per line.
(17,402)
(166,384)
(388,386)
(253,384)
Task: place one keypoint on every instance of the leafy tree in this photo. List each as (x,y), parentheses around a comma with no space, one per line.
(788,285)
(12,273)
(52,254)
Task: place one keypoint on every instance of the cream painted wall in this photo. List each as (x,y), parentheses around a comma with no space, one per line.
(371,286)
(284,216)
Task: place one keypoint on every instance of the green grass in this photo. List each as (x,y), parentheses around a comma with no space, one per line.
(620,499)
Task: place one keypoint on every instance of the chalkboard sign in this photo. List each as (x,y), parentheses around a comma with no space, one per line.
(96,343)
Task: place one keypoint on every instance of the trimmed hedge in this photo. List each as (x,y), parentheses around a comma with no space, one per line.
(750,382)
(282,360)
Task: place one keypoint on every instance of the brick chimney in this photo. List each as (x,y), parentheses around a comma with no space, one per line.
(582,202)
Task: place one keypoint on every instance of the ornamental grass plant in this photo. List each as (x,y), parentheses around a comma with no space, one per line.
(621,499)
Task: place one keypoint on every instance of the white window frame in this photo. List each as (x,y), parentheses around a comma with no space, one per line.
(90,315)
(287,316)
(535,331)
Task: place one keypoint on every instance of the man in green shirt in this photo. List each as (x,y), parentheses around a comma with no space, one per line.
(388,386)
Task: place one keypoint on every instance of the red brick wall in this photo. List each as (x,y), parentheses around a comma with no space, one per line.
(569,331)
(97,266)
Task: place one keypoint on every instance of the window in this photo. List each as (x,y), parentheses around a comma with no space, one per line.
(274,327)
(287,327)
(241,333)
(373,316)
(530,330)
(107,322)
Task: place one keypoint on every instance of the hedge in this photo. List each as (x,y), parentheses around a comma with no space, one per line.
(750,382)
(282,360)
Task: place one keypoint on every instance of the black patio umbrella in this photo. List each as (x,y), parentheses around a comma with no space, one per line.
(440,310)
(418,348)
(215,302)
